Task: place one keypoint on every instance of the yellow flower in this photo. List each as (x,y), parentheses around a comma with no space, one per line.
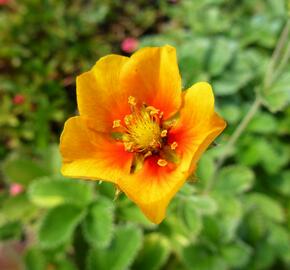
(137,129)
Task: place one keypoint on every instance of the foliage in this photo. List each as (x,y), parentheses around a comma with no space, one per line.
(233,217)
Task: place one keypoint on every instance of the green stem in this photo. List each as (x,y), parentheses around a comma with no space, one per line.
(269,78)
(276,54)
(233,139)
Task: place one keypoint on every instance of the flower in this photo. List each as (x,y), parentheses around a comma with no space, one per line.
(137,129)
(129,44)
(4,2)
(15,189)
(18,99)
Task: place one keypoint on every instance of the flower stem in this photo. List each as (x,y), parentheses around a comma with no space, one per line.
(270,77)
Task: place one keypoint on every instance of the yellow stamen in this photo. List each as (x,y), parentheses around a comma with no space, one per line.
(148,154)
(128,119)
(143,131)
(163,133)
(152,111)
(173,145)
(128,146)
(162,162)
(116,123)
(132,100)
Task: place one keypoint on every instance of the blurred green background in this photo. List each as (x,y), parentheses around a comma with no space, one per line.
(235,214)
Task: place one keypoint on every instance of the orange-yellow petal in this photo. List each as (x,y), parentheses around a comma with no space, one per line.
(198,125)
(153,187)
(152,76)
(91,155)
(99,94)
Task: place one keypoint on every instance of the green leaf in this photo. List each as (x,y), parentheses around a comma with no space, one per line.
(192,218)
(228,217)
(263,123)
(277,97)
(64,264)
(58,225)
(265,205)
(11,230)
(199,258)
(204,204)
(220,55)
(154,254)
(134,214)
(50,192)
(279,239)
(205,168)
(247,64)
(121,252)
(236,254)
(52,159)
(18,208)
(22,171)
(98,225)
(35,260)
(234,179)
(281,183)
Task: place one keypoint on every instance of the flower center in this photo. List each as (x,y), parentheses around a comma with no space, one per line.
(142,132)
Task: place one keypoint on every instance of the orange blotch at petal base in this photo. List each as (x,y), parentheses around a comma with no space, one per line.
(137,129)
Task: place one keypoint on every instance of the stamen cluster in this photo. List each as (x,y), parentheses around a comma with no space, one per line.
(144,133)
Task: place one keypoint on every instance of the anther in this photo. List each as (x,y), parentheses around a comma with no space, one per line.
(128,119)
(148,154)
(116,123)
(152,111)
(131,100)
(162,162)
(163,133)
(128,146)
(173,145)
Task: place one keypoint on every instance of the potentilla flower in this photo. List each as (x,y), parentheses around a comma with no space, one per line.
(137,129)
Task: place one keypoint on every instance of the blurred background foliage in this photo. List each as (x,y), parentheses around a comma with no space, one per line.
(233,214)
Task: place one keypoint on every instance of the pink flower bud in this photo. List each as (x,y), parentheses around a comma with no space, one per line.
(18,99)
(15,189)
(129,44)
(4,2)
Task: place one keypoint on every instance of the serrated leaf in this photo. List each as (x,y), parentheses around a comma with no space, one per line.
(134,214)
(64,264)
(192,218)
(236,254)
(35,260)
(228,217)
(234,179)
(50,192)
(265,205)
(221,54)
(277,97)
(154,253)
(22,171)
(204,204)
(98,224)
(121,252)
(52,159)
(263,123)
(58,225)
(11,230)
(18,208)
(199,258)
